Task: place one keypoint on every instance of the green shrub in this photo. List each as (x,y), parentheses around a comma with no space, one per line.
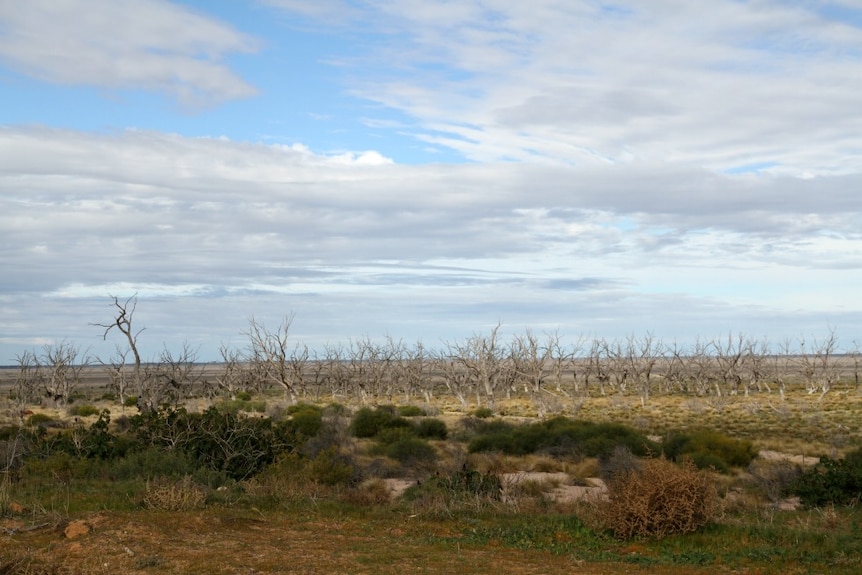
(711,448)
(38,419)
(243,396)
(330,467)
(411,450)
(561,436)
(431,428)
(225,442)
(466,483)
(307,422)
(410,411)
(831,481)
(369,422)
(84,410)
(131,401)
(483,412)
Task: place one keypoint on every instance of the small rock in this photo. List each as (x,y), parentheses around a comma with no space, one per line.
(77,528)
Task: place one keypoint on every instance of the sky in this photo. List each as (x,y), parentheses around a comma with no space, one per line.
(427,169)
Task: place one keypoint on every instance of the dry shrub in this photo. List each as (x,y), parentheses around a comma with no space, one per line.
(370,493)
(5,494)
(659,499)
(174,495)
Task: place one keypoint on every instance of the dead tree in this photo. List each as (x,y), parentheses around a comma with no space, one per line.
(62,371)
(269,355)
(122,321)
(27,378)
(482,358)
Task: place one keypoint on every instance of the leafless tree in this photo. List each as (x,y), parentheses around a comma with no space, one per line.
(269,352)
(481,356)
(457,381)
(27,379)
(63,365)
(171,379)
(729,355)
(817,364)
(234,376)
(118,375)
(123,322)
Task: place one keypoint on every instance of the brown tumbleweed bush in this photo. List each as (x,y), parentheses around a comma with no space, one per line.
(171,495)
(658,499)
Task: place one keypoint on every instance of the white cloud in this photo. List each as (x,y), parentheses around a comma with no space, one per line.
(409,250)
(125,44)
(719,85)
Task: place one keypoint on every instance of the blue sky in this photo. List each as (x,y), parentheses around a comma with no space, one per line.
(427,169)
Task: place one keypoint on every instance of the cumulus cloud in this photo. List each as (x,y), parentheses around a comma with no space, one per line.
(125,44)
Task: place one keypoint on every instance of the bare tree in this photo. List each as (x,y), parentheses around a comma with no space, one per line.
(63,367)
(27,379)
(122,321)
(269,353)
(118,375)
(818,366)
(481,356)
(234,377)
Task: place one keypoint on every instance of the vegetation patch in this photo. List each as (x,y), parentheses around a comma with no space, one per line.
(658,499)
(561,436)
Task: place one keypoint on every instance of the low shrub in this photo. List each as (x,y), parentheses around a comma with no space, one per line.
(659,499)
(483,412)
(306,422)
(410,411)
(369,422)
(465,485)
(39,419)
(710,449)
(561,437)
(84,410)
(431,428)
(411,450)
(831,482)
(174,495)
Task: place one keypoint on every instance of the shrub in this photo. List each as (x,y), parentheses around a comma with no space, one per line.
(131,401)
(174,495)
(561,436)
(243,396)
(710,449)
(307,422)
(659,499)
(466,484)
(38,419)
(84,410)
(483,412)
(411,451)
(431,428)
(831,481)
(410,411)
(369,422)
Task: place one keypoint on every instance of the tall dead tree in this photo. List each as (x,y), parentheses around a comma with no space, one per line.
(269,353)
(124,316)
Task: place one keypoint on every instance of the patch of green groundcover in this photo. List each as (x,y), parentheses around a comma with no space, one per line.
(784,546)
(560,436)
